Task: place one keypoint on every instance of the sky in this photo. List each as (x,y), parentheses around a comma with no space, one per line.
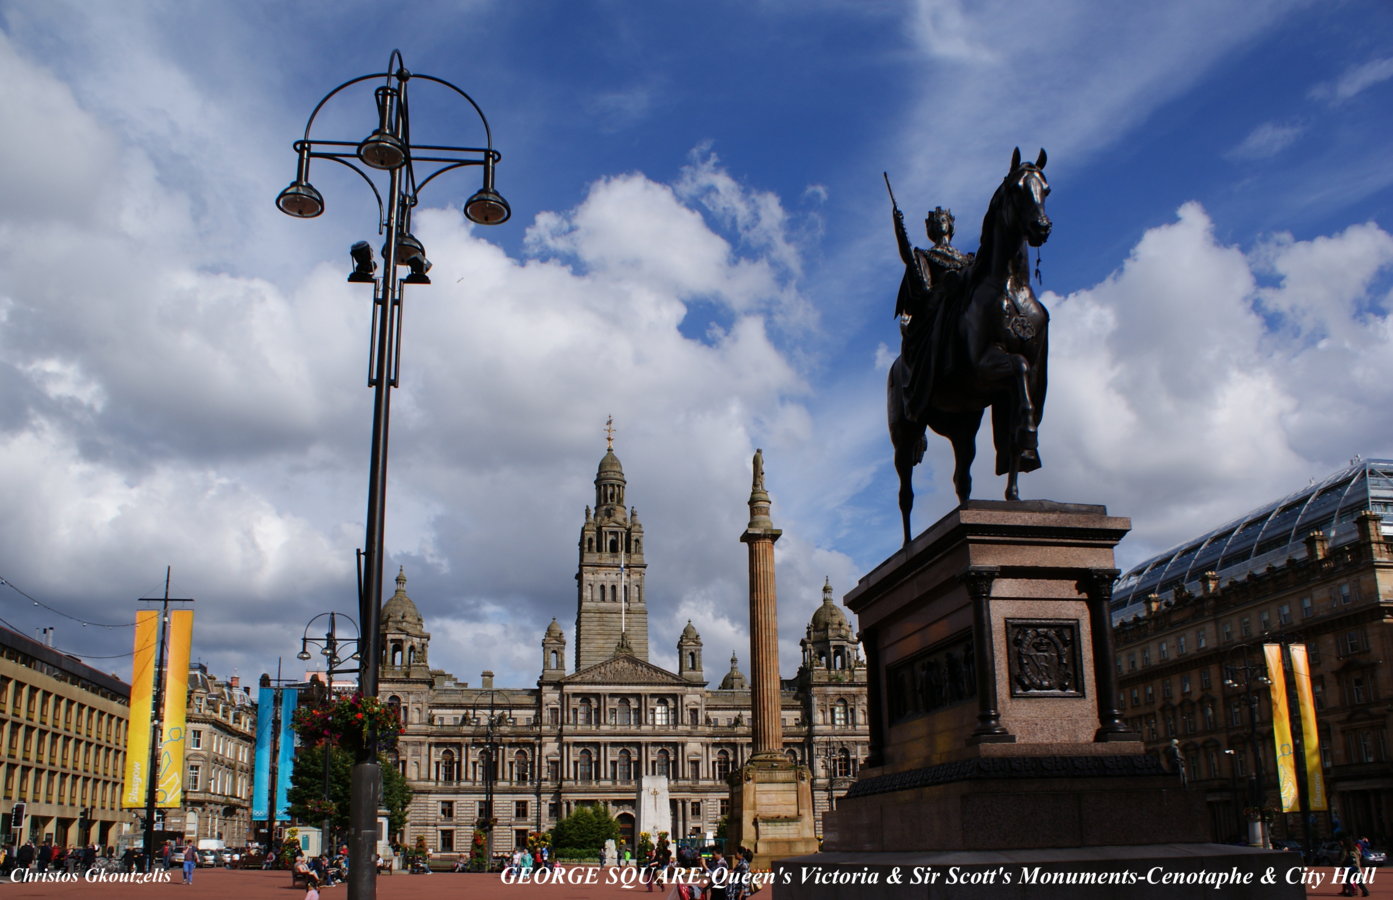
(700,247)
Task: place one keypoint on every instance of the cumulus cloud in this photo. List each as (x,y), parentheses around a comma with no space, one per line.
(1183,387)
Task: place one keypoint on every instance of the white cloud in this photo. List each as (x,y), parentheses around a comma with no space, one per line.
(1171,394)
(1266,140)
(1355,80)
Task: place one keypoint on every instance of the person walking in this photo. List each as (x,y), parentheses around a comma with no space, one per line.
(718,875)
(1352,859)
(190,861)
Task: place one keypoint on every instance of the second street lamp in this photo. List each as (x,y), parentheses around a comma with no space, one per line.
(387,149)
(340,655)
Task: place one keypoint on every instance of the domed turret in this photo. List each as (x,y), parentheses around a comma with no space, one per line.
(400,613)
(828,621)
(830,644)
(553,652)
(734,681)
(689,654)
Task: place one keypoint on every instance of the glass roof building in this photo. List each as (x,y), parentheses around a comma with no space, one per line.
(1266,536)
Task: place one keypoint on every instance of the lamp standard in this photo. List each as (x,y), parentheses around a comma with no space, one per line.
(829,765)
(1253,676)
(488,721)
(388,148)
(333,649)
(1233,789)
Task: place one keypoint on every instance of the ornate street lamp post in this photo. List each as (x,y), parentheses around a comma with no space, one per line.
(337,653)
(490,719)
(1250,678)
(388,148)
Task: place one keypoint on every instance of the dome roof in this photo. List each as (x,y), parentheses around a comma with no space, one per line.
(828,619)
(399,613)
(554,630)
(734,680)
(690,633)
(610,465)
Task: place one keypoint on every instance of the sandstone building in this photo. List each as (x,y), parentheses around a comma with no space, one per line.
(63,736)
(586,732)
(1315,566)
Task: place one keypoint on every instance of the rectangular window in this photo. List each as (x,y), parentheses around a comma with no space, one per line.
(553,810)
(1131,662)
(1180,648)
(519,809)
(447,840)
(694,769)
(1204,679)
(1166,689)
(1184,684)
(194,773)
(553,770)
(696,810)
(1284,614)
(1163,651)
(1265,619)
(1308,608)
(1202,638)
(196,739)
(447,809)
(1344,594)
(1228,632)
(1136,697)
(519,838)
(1245,627)
(1150,695)
(1145,657)
(725,807)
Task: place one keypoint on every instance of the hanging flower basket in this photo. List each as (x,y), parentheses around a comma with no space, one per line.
(348,722)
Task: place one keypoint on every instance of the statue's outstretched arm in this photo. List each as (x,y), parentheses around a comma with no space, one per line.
(902,238)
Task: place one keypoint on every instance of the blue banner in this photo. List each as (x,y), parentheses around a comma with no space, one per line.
(286,763)
(261,773)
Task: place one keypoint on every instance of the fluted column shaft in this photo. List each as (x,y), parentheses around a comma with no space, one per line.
(760,536)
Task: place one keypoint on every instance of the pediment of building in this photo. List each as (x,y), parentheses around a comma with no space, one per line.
(625,669)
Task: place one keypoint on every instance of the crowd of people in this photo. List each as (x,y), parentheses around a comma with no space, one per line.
(47,856)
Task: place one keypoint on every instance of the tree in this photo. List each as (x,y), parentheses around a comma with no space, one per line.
(585,829)
(307,789)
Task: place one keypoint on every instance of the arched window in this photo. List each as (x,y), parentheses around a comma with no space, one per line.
(590,544)
(613,594)
(554,660)
(613,544)
(691,659)
(587,715)
(585,767)
(626,766)
(663,764)
(722,764)
(843,763)
(792,755)
(840,714)
(625,712)
(411,655)
(662,712)
(446,769)
(396,653)
(522,772)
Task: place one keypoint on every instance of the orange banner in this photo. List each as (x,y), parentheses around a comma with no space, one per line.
(147,636)
(1310,737)
(176,694)
(1281,727)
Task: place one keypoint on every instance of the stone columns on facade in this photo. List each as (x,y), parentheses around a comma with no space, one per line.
(1096,585)
(760,536)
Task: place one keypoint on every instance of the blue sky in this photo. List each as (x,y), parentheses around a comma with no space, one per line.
(700,246)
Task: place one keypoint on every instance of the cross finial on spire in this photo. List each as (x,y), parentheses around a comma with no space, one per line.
(609,433)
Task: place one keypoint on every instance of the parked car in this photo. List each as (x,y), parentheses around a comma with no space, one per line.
(1328,854)
(1374,858)
(207,858)
(1287,844)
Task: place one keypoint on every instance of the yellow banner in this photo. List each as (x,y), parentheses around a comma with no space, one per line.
(147,635)
(1281,727)
(176,694)
(1310,737)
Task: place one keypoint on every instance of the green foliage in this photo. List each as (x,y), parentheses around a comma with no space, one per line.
(585,830)
(307,789)
(478,851)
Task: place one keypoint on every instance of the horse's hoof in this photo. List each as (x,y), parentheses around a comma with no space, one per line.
(1013,494)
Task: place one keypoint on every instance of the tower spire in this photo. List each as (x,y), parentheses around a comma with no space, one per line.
(609,433)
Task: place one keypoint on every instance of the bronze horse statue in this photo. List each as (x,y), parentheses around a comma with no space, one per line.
(981,342)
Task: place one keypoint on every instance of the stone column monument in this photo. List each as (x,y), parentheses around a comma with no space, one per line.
(771,809)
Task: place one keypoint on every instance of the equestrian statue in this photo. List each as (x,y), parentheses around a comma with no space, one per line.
(973,336)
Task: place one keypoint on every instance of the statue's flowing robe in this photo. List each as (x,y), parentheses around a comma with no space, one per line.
(933,297)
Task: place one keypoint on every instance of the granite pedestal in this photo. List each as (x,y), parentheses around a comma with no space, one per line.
(994,724)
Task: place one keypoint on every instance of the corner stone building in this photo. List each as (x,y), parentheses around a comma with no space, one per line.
(585,736)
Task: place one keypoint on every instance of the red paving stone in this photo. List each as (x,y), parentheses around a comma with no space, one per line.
(223,884)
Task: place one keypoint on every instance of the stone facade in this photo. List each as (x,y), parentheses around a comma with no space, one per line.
(63,736)
(1182,677)
(217,761)
(586,735)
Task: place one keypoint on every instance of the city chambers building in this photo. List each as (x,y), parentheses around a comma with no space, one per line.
(1314,567)
(607,712)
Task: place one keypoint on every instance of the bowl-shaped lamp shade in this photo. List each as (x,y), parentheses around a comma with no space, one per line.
(300,200)
(487,207)
(382,151)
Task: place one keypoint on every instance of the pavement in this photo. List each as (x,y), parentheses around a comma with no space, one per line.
(579,883)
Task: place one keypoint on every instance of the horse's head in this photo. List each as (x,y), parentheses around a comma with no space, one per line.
(1025,190)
